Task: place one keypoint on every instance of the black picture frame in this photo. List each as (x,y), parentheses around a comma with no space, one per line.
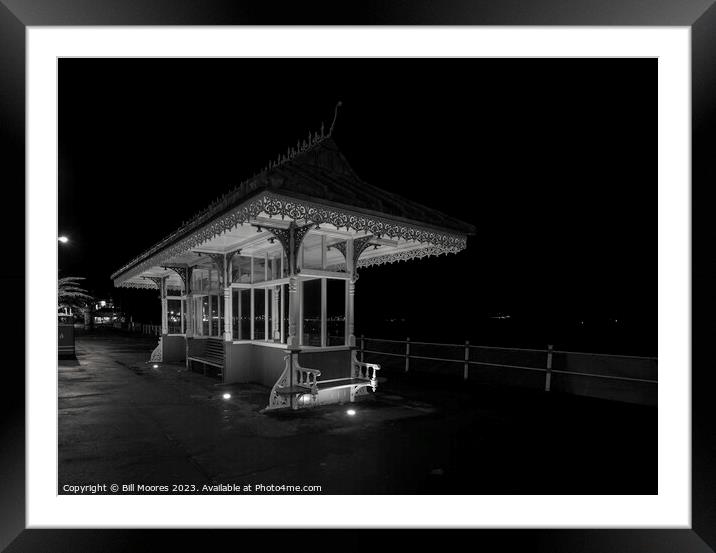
(699,15)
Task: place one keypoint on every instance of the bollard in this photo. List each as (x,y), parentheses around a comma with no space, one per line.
(548,374)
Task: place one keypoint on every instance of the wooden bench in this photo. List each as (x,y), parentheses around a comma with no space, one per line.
(213,355)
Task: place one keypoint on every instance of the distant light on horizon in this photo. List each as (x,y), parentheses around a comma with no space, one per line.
(63,239)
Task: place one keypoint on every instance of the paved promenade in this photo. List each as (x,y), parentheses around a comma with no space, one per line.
(121,421)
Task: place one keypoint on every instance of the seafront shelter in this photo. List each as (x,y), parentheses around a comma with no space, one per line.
(260,286)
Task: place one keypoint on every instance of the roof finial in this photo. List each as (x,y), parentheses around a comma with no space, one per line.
(335,116)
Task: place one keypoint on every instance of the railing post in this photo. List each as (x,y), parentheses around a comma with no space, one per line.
(467,360)
(362,346)
(407,354)
(548,374)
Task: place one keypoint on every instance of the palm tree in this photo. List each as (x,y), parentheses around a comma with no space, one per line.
(71,295)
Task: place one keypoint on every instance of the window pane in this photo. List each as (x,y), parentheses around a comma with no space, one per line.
(284,297)
(245,315)
(274,267)
(215,310)
(336,312)
(199,280)
(235,315)
(205,315)
(214,283)
(311,254)
(241,269)
(259,269)
(259,314)
(312,312)
(270,313)
(174,316)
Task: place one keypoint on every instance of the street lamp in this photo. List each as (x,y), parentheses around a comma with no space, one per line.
(63,239)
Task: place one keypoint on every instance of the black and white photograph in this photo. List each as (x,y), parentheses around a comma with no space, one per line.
(403,276)
(277,268)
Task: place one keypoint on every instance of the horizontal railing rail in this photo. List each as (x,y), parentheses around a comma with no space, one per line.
(543,362)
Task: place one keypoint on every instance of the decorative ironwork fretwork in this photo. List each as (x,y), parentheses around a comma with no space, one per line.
(182,271)
(275,205)
(139,285)
(219,260)
(392,257)
(156,280)
(402,256)
(159,282)
(341,247)
(359,246)
(284,237)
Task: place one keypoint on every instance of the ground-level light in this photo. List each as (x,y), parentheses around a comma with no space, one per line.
(226,396)
(63,239)
(155,366)
(351,412)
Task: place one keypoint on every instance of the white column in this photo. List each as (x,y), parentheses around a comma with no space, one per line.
(189,322)
(182,314)
(240,316)
(275,320)
(252,307)
(350,310)
(163,296)
(293,300)
(281,309)
(350,294)
(227,314)
(266,314)
(300,313)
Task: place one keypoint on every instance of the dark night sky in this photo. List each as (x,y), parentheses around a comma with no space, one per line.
(554,162)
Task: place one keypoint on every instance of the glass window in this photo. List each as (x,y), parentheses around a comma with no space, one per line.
(236,314)
(311,252)
(274,267)
(259,269)
(241,314)
(259,314)
(284,304)
(214,283)
(174,316)
(336,312)
(200,280)
(312,312)
(215,315)
(270,315)
(205,315)
(241,269)
(245,325)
